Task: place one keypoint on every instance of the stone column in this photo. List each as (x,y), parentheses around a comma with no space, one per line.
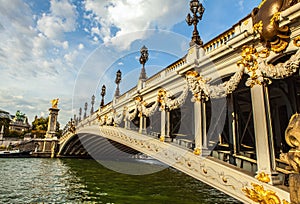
(163,125)
(263,133)
(125,122)
(168,124)
(141,123)
(52,123)
(200,128)
(204,130)
(145,125)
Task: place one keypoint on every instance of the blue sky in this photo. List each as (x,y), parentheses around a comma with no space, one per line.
(66,49)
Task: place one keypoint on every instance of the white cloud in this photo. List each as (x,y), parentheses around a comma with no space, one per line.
(71,57)
(95,39)
(61,19)
(129,16)
(95,30)
(80,46)
(33,70)
(18,97)
(65,45)
(40,45)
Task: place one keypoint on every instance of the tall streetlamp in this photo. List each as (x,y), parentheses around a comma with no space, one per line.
(197,10)
(85,109)
(80,112)
(117,81)
(143,60)
(75,119)
(92,102)
(103,92)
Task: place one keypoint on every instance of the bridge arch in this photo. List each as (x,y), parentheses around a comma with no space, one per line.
(91,144)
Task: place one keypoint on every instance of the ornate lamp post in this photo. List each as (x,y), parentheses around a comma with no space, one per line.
(75,120)
(71,126)
(80,112)
(117,81)
(143,60)
(93,102)
(85,109)
(103,92)
(197,10)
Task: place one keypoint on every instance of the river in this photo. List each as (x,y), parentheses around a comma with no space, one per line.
(34,180)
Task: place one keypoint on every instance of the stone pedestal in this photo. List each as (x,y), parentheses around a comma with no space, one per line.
(52,123)
(45,148)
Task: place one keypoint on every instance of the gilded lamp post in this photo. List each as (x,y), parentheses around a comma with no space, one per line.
(117,81)
(103,92)
(197,10)
(143,60)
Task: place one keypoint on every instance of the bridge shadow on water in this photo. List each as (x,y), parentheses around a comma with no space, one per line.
(111,154)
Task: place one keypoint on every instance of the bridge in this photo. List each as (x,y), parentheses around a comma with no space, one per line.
(218,114)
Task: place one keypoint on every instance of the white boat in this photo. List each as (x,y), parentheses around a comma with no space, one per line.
(14,153)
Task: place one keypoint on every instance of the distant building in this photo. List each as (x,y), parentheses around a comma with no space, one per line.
(5,119)
(19,122)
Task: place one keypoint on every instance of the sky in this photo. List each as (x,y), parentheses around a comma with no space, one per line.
(68,49)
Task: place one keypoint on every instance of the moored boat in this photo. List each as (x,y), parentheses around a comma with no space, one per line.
(14,154)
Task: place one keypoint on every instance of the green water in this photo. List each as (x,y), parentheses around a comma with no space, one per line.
(86,181)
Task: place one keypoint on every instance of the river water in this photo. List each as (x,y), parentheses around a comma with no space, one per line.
(34,180)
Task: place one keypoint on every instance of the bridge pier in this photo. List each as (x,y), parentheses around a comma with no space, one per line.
(47,147)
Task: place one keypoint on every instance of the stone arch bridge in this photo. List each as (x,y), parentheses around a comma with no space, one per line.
(218,114)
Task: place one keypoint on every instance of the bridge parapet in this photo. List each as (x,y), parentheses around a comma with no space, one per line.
(224,39)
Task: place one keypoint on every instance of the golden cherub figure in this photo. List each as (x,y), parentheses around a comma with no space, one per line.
(54,103)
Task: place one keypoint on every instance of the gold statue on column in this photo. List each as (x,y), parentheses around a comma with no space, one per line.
(54,103)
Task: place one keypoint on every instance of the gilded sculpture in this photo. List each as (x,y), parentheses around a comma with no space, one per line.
(161,97)
(297,41)
(292,137)
(54,103)
(263,177)
(249,55)
(266,22)
(260,195)
(202,90)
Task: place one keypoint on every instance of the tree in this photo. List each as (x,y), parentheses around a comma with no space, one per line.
(40,126)
(5,122)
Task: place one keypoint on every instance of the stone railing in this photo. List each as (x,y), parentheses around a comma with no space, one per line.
(220,41)
(165,73)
